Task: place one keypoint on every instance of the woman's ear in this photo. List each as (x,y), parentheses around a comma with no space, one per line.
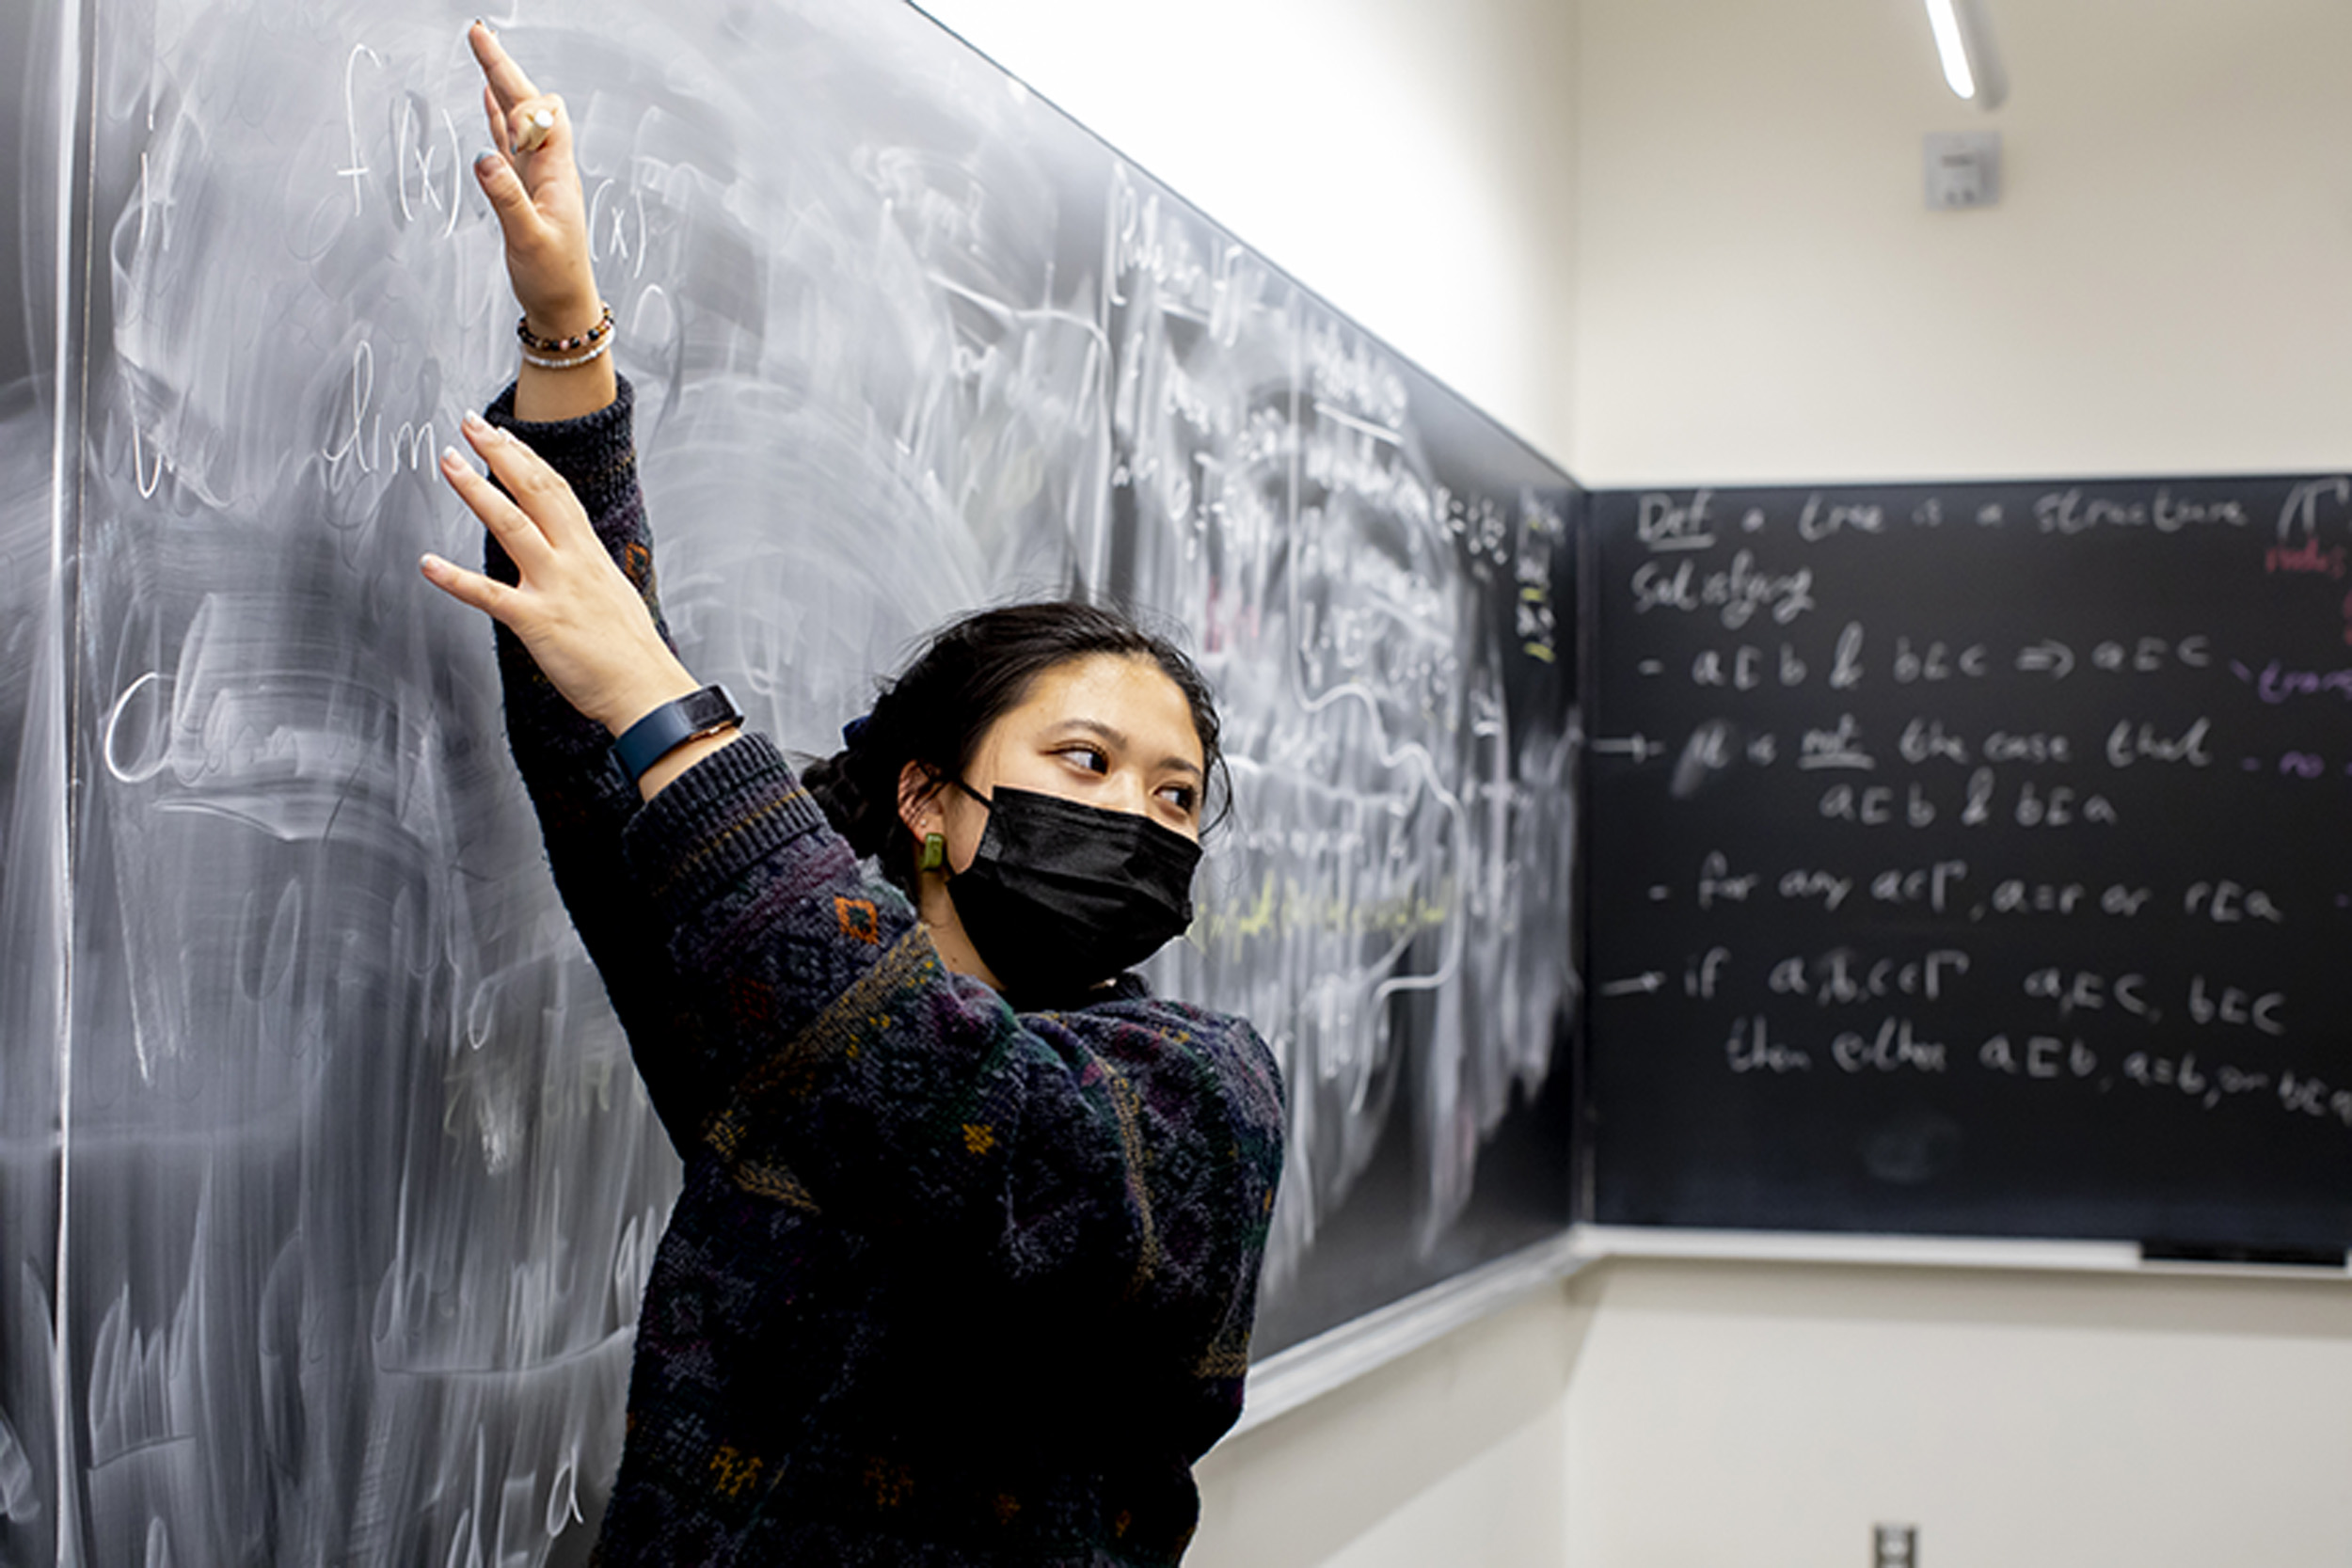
(918,788)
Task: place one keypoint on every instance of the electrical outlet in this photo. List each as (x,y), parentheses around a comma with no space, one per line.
(1964,169)
(1894,1546)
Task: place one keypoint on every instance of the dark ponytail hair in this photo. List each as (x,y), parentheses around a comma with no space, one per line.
(971,674)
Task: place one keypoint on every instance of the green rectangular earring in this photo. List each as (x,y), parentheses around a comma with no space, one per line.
(935,853)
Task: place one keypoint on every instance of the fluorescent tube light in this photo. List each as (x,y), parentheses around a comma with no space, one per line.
(1964,40)
(1953,47)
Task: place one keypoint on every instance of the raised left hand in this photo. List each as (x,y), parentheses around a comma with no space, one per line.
(582,621)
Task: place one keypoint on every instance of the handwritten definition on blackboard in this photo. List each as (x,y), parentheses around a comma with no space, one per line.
(1967,860)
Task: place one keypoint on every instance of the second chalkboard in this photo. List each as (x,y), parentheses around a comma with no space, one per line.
(1968,865)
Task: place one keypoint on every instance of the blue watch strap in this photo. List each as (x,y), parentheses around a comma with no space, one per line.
(672,725)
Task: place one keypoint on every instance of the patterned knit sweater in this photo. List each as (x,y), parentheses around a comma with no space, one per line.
(947,1283)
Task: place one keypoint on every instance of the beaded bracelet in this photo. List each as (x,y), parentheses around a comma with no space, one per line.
(591,356)
(564,345)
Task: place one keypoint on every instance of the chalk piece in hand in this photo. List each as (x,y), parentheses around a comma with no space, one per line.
(536,125)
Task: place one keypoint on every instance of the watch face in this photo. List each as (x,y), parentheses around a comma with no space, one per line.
(672,725)
(713,705)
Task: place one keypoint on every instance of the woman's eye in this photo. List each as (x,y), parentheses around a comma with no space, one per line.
(1182,797)
(1092,759)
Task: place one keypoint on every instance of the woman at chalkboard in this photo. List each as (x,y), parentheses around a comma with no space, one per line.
(964,1263)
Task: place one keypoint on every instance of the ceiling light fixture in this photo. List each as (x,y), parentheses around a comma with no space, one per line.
(1963,39)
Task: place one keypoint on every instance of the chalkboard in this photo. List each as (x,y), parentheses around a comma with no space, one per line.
(32,777)
(1964,860)
(330,1192)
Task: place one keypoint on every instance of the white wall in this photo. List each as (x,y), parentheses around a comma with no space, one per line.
(1453,1457)
(1767,1416)
(1762,293)
(1734,278)
(1411,161)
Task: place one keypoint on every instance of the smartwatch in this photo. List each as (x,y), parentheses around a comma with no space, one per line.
(672,725)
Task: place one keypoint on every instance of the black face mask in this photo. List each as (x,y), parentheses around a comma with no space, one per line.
(1060,896)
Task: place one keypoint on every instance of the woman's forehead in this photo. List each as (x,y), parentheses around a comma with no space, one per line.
(1128,694)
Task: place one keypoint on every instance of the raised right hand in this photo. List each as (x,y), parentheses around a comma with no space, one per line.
(532,182)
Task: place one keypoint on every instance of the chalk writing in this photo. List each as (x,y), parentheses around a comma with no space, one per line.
(2311,504)
(2277,682)
(2073,511)
(2017,837)
(1663,525)
(1737,594)
(1843,977)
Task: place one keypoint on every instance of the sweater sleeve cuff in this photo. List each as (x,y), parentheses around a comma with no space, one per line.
(727,812)
(596,453)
